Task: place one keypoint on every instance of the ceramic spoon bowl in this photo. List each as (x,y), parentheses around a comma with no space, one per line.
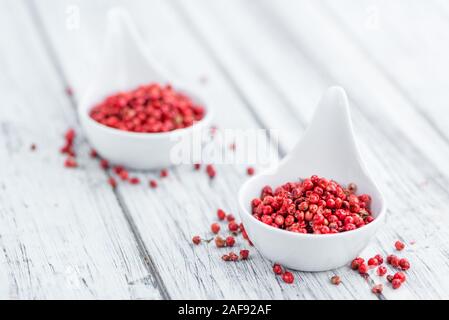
(125,65)
(327,149)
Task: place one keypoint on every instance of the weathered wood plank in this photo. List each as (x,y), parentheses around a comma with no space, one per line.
(400,166)
(62,232)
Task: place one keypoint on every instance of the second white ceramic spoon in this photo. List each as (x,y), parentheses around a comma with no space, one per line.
(327,149)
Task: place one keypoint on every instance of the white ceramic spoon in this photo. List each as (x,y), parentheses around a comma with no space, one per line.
(125,65)
(327,149)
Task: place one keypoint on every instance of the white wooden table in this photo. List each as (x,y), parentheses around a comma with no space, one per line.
(67,234)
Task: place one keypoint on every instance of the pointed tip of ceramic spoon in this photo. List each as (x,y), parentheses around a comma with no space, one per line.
(335,96)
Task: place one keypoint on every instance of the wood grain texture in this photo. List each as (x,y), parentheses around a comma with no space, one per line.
(262,64)
(62,232)
(402,168)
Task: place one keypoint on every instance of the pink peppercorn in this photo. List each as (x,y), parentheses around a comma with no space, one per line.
(221,214)
(250,171)
(219,242)
(230,217)
(112,182)
(134,180)
(399,245)
(313,205)
(404,264)
(355,264)
(196,240)
(244,254)
(377,289)
(70,162)
(379,258)
(230,241)
(363,268)
(233,257)
(210,170)
(393,260)
(104,164)
(215,228)
(148,108)
(164,173)
(396,283)
(233,227)
(335,280)
(288,277)
(400,276)
(381,271)
(124,175)
(197,166)
(93,153)
(277,269)
(372,262)
(153,184)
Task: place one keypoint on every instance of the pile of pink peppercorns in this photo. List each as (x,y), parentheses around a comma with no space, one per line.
(314,205)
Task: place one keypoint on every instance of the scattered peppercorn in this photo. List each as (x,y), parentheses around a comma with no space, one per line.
(93,153)
(233,226)
(234,257)
(355,264)
(313,205)
(335,280)
(215,228)
(221,214)
(399,245)
(230,241)
(404,264)
(396,283)
(390,278)
(149,108)
(377,289)
(250,171)
(134,180)
(381,271)
(153,184)
(70,162)
(69,137)
(244,254)
(393,260)
(124,174)
(219,242)
(400,276)
(288,277)
(197,166)
(196,240)
(33,147)
(230,217)
(112,182)
(104,164)
(164,173)
(379,258)
(277,269)
(363,268)
(210,170)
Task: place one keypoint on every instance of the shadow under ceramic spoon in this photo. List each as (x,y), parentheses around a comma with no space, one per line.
(327,149)
(126,64)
